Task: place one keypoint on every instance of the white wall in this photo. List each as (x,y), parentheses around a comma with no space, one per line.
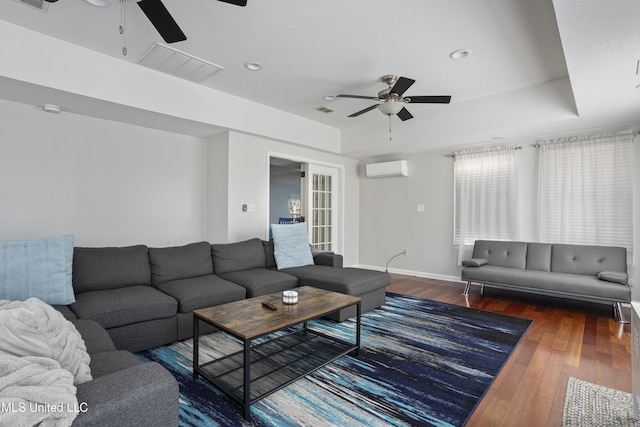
(107,183)
(389,221)
(248,169)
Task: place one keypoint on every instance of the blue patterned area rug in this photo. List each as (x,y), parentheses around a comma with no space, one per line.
(423,363)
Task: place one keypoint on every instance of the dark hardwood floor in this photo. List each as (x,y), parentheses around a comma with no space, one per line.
(567,339)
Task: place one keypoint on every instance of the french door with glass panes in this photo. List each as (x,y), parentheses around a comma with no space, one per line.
(322,189)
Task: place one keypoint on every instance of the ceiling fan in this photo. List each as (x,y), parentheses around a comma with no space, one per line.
(391,101)
(162,20)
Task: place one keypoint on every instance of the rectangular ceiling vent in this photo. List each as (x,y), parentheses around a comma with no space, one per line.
(325,110)
(180,64)
(41,5)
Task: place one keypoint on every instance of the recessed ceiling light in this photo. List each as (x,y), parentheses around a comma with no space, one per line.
(460,54)
(98,3)
(253,66)
(51,108)
(329,98)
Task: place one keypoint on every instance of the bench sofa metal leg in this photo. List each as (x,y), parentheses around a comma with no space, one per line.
(481,289)
(618,314)
(467,287)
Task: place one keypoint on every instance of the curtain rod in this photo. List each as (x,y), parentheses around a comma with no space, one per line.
(633,135)
(451,156)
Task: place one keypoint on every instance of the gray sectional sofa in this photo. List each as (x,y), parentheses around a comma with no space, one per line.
(592,273)
(133,298)
(144,296)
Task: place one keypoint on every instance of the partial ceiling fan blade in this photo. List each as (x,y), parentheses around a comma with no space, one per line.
(356,96)
(430,99)
(404,114)
(364,111)
(402,85)
(235,2)
(162,20)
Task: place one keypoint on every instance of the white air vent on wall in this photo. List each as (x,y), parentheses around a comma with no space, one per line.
(387,169)
(180,64)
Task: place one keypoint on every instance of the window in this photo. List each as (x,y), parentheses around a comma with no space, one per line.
(484,197)
(586,191)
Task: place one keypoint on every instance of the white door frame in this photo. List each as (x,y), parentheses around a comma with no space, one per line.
(340,186)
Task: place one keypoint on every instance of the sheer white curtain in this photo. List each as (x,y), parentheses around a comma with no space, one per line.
(485,197)
(586,190)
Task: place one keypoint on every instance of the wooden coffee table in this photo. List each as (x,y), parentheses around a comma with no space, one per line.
(280,358)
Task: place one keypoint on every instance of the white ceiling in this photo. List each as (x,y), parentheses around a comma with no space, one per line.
(537,67)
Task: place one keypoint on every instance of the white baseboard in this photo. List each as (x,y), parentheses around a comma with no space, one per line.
(414,273)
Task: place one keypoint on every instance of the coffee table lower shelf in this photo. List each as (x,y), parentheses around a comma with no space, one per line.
(274,364)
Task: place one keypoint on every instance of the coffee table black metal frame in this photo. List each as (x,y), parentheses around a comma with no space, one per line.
(282,357)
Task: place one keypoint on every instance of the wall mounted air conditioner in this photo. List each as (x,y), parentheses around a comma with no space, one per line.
(388,169)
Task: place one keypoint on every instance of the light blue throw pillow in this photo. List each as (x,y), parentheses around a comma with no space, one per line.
(37,269)
(291,245)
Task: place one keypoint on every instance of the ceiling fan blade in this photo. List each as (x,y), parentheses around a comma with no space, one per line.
(356,96)
(235,2)
(404,114)
(364,111)
(402,85)
(430,99)
(162,20)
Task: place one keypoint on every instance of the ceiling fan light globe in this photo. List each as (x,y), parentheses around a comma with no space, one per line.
(390,108)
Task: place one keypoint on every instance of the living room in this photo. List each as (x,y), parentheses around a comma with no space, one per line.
(130,159)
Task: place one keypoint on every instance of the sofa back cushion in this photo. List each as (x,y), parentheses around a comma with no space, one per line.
(180,262)
(588,260)
(229,257)
(98,269)
(539,256)
(269,255)
(502,253)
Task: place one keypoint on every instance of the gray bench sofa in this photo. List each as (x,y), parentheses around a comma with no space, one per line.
(592,273)
(144,297)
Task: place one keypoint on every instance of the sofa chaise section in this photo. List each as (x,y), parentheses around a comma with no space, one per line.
(328,273)
(113,287)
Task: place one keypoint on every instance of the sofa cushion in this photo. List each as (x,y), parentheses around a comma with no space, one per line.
(268,253)
(351,281)
(260,281)
(34,328)
(38,268)
(589,260)
(108,362)
(201,292)
(539,256)
(502,253)
(124,306)
(563,283)
(97,269)
(291,245)
(180,262)
(95,337)
(228,257)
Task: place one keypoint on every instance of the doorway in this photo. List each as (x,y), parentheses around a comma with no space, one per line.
(285,190)
(307,192)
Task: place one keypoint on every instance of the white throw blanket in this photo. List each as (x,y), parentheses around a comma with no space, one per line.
(34,328)
(36,391)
